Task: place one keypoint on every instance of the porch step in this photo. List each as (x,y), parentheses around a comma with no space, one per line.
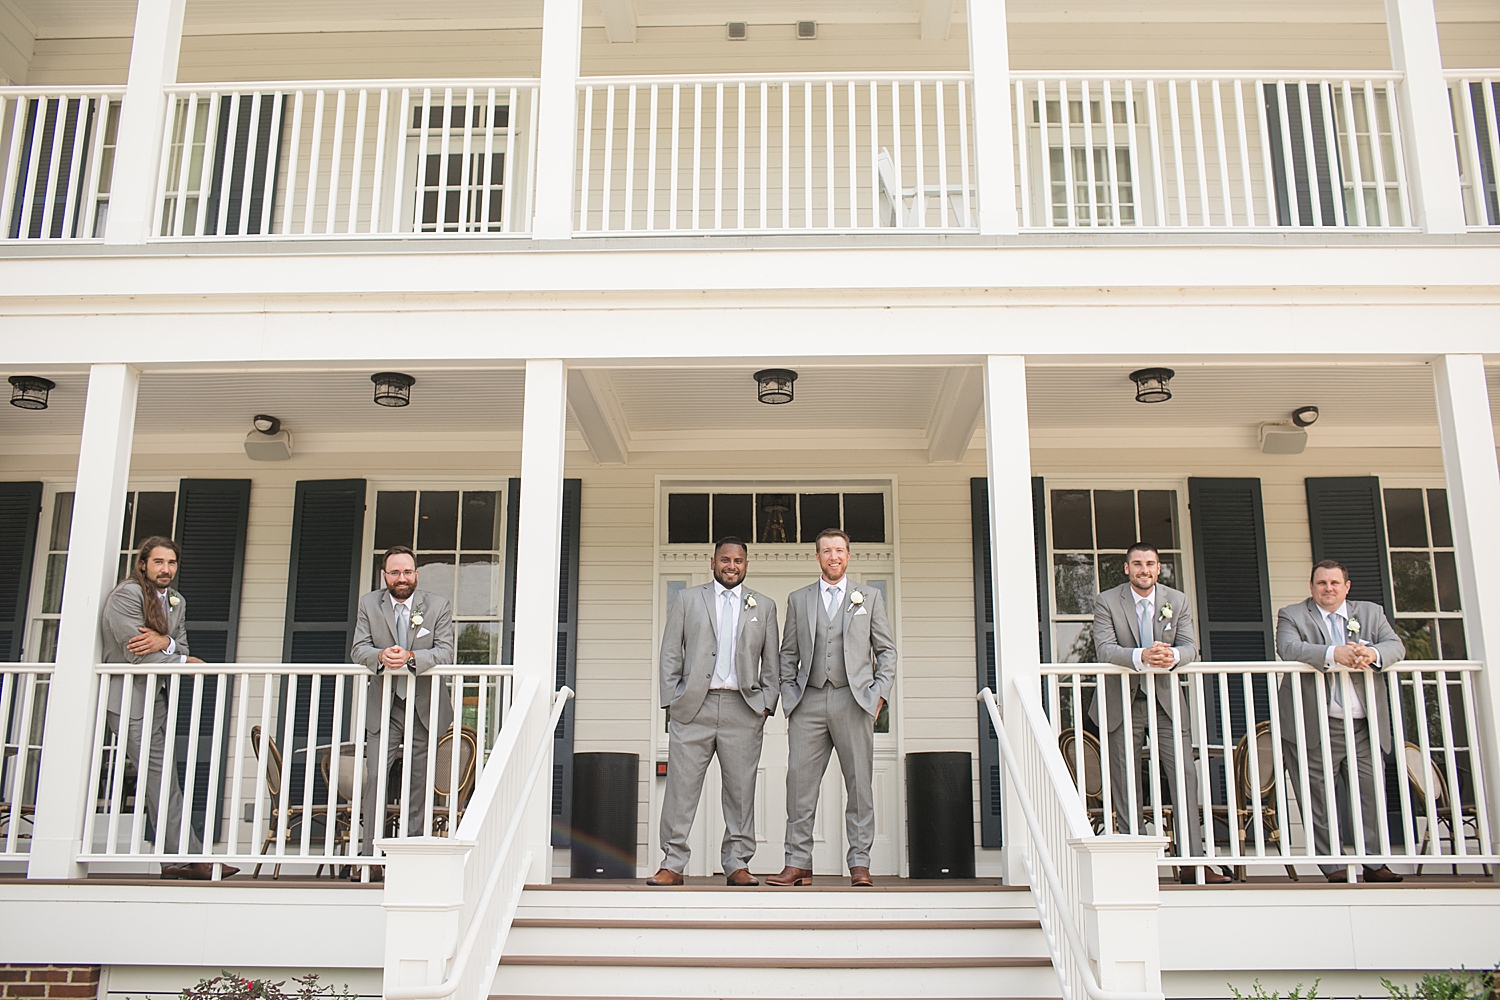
(835,943)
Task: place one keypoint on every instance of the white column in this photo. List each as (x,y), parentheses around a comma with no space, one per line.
(539,568)
(994,146)
(557,136)
(1468,435)
(1117,882)
(93,561)
(1007,449)
(143,115)
(423,900)
(1427,122)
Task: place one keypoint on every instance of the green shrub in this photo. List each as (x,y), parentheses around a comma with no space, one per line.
(228,986)
(1460,985)
(1258,992)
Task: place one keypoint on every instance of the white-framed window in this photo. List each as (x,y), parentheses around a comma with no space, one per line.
(456,192)
(1088,530)
(147,513)
(1108,173)
(1424,573)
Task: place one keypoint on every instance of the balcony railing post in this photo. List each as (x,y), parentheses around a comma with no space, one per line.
(994,141)
(423,899)
(1473,477)
(557,129)
(1007,446)
(1426,122)
(93,561)
(143,118)
(1120,894)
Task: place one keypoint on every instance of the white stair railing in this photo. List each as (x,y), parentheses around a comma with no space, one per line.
(1086,888)
(449,903)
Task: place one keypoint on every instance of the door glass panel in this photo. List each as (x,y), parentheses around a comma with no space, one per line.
(1075,583)
(734,516)
(437,524)
(1412,576)
(1437,511)
(478,585)
(1405,521)
(1114,518)
(481,520)
(818,511)
(1072,520)
(395,519)
(1447,581)
(687,518)
(1159,518)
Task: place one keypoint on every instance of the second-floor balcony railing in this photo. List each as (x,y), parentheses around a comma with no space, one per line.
(1475,99)
(23,709)
(805,153)
(57,148)
(349,159)
(1217,151)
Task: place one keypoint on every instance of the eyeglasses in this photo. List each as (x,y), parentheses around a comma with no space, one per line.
(399,573)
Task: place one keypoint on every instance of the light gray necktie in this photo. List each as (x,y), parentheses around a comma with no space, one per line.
(833,602)
(1338,632)
(725,661)
(1147,636)
(402,629)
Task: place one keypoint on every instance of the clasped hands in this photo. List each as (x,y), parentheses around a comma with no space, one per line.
(394,658)
(1355,656)
(1158,656)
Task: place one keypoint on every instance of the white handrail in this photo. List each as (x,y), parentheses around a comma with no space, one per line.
(476,921)
(1078,828)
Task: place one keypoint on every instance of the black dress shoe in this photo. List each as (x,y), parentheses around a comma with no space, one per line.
(1381,874)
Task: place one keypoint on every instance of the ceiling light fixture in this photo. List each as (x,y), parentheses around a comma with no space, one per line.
(392,388)
(267,442)
(1305,416)
(29,392)
(1151,384)
(774,385)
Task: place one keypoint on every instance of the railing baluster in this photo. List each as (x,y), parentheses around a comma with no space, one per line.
(292,166)
(1492,126)
(719,156)
(1476,764)
(764,114)
(1372,715)
(1314,182)
(630,160)
(875,220)
(1065,121)
(651,164)
(357,161)
(1179,168)
(1244,144)
(852,99)
(1457,841)
(586,165)
(963,155)
(168,775)
(1355,168)
(830,164)
(1106,781)
(1085,101)
(190,773)
(96,770)
(187,113)
(51,180)
(676,156)
(315,156)
(1377,154)
(1200,161)
(1158,177)
(807,156)
(739,173)
(786,156)
(18,108)
(240,737)
(1111,171)
(697,153)
(606,223)
(1331,151)
(1223,155)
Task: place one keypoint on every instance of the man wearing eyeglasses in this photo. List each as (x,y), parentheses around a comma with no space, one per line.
(401,632)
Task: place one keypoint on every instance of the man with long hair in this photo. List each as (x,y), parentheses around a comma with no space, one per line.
(145,622)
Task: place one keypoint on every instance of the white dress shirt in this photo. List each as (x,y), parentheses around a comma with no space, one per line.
(736,604)
(1147,640)
(824,588)
(166,609)
(1336,685)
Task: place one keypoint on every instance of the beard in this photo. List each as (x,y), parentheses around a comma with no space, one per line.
(401,591)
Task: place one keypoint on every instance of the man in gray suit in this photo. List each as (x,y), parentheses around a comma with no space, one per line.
(719,684)
(144,622)
(404,632)
(838,664)
(1326,630)
(1143,624)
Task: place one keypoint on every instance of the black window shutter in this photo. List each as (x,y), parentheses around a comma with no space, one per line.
(268,129)
(212,515)
(512,540)
(567,665)
(20,507)
(328,524)
(1233,610)
(1486,191)
(61,121)
(1347,522)
(1296,181)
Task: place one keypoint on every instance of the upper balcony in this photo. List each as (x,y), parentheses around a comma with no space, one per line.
(896,117)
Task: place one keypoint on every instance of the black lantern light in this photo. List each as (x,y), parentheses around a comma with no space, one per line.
(1305,416)
(774,385)
(392,388)
(29,392)
(1151,384)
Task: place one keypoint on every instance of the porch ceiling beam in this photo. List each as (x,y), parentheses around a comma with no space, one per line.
(619,19)
(960,404)
(598,415)
(937,19)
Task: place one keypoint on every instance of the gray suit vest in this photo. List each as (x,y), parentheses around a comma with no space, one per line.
(828,652)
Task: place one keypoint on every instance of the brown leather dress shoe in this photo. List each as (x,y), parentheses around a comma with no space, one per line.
(202,871)
(1381,874)
(741,876)
(859,876)
(665,876)
(791,876)
(1189,876)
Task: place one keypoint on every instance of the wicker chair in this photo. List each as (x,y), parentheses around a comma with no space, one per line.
(1427,781)
(294,813)
(1265,759)
(447,809)
(1093,770)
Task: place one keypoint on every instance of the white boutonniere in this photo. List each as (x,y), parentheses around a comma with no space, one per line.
(173,600)
(1353,626)
(856,599)
(749,602)
(416,617)
(1166,612)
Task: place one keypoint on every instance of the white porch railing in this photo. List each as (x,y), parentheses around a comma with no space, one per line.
(57,147)
(799,153)
(348,159)
(1474,96)
(23,711)
(269,761)
(1055,825)
(1256,779)
(1209,151)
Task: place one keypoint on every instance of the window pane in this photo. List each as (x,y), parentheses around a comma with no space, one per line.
(52,591)
(395,513)
(687,518)
(435,574)
(1405,521)
(819,511)
(62,521)
(1451,630)
(1447,581)
(1437,513)
(1114,518)
(775,517)
(47,645)
(1074,643)
(1416,635)
(1159,518)
(1169,572)
(1075,584)
(478,642)
(734,516)
(478,585)
(1111,572)
(1072,520)
(481,520)
(153,515)
(1412,575)
(125,534)
(437,520)
(864,516)
(125,562)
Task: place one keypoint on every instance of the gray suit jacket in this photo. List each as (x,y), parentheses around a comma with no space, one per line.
(690,645)
(1116,640)
(1300,636)
(120,622)
(431,645)
(869,647)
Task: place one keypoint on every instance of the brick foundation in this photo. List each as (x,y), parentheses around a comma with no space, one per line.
(49,982)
